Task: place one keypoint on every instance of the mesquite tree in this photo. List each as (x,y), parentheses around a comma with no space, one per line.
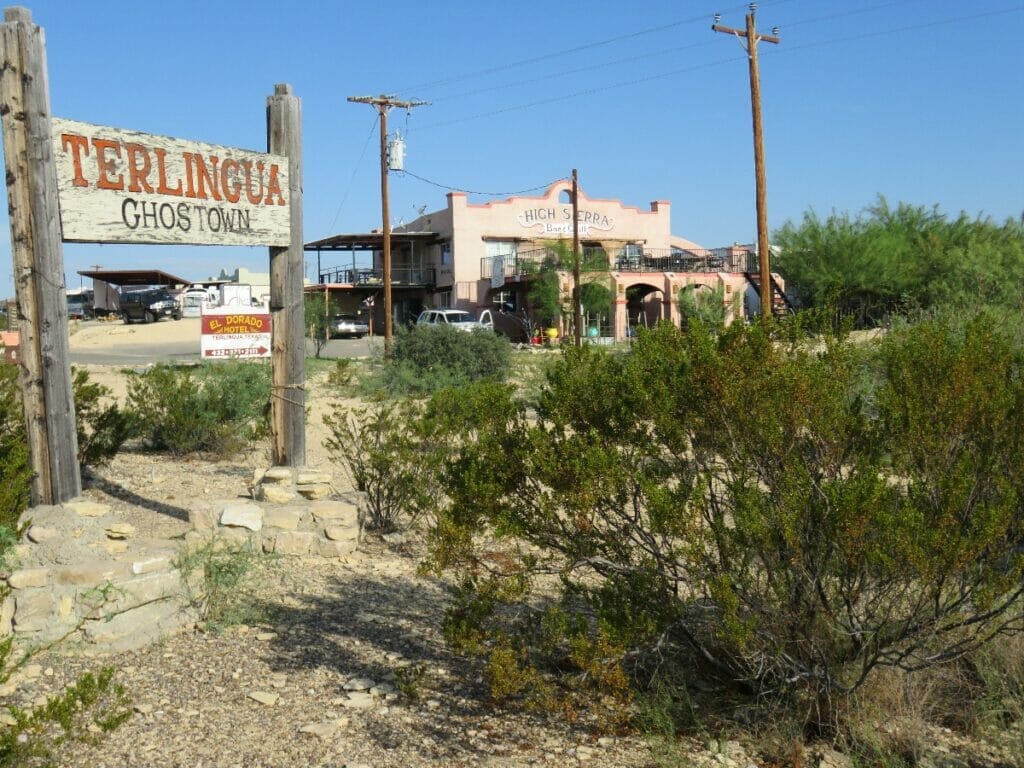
(793,514)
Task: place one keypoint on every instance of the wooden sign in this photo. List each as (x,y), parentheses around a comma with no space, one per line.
(120,186)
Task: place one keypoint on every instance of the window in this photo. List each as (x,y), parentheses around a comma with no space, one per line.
(443,298)
(502,254)
(504,248)
(446,254)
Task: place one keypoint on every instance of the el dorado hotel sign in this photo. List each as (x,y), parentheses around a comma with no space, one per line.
(119,186)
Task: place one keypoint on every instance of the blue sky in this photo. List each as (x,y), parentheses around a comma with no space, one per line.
(921,101)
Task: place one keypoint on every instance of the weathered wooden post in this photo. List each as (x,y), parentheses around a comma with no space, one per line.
(38,259)
(287,309)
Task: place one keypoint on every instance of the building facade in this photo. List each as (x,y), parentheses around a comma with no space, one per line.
(474,256)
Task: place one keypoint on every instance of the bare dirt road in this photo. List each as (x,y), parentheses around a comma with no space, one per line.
(111,342)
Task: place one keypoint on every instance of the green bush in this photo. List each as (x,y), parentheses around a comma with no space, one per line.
(93,706)
(15,471)
(386,458)
(102,426)
(596,299)
(214,409)
(544,294)
(734,497)
(226,583)
(429,358)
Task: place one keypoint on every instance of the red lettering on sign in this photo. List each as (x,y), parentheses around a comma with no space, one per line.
(234,324)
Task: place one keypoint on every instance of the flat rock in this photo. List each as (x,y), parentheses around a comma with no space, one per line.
(285,519)
(341,532)
(119,530)
(29,577)
(314,491)
(359,684)
(359,700)
(39,534)
(264,697)
(334,510)
(277,494)
(278,475)
(323,730)
(242,516)
(151,564)
(33,610)
(294,543)
(311,476)
(87,508)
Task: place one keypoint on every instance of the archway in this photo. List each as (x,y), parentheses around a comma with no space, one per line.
(644,305)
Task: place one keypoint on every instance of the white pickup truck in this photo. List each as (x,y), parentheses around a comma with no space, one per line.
(457,318)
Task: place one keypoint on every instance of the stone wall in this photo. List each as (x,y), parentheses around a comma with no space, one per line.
(86,578)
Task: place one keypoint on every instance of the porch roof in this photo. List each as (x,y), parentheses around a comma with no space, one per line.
(370,241)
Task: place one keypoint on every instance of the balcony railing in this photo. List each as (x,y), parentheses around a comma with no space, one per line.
(630,260)
(403,276)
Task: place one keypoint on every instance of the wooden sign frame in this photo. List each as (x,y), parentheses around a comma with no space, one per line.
(36,250)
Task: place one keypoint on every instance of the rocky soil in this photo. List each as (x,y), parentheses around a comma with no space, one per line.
(348,668)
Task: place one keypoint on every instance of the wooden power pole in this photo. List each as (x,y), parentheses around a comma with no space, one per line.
(38,260)
(384,104)
(287,304)
(577,309)
(761,184)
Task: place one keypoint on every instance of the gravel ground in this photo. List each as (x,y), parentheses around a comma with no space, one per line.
(274,694)
(348,670)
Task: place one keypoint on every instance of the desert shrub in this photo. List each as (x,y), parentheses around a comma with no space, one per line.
(733,496)
(102,426)
(90,708)
(706,306)
(596,299)
(226,582)
(386,458)
(15,471)
(544,294)
(206,409)
(430,358)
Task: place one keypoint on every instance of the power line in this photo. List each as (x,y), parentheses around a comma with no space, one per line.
(355,170)
(487,194)
(909,28)
(565,51)
(671,73)
(585,92)
(843,14)
(568,72)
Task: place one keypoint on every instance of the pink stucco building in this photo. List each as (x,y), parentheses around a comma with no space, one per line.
(485,255)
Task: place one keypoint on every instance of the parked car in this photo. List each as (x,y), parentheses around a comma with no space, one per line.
(80,307)
(348,327)
(149,305)
(457,318)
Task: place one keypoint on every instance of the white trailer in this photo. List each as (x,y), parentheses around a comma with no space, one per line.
(235,294)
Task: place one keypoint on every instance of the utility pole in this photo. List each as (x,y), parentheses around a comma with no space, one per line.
(752,38)
(577,310)
(384,104)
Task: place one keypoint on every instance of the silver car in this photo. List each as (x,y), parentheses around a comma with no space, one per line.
(348,327)
(456,318)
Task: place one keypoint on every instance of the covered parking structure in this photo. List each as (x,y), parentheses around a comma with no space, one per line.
(351,277)
(107,284)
